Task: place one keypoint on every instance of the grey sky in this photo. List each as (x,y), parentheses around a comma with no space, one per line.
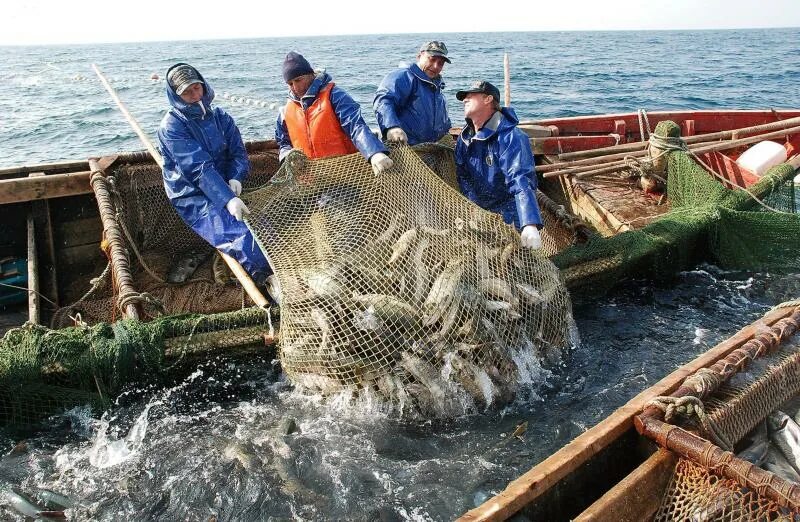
(58,21)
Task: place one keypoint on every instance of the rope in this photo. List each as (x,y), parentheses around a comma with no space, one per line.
(689,407)
(704,382)
(143,298)
(643,121)
(29,291)
(787,304)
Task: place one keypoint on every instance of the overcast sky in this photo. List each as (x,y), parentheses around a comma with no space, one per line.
(25,22)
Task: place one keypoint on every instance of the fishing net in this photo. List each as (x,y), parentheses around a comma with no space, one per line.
(157,241)
(400,288)
(753,229)
(44,371)
(699,490)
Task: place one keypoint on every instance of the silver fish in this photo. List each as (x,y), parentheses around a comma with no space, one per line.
(186,266)
(402,245)
(443,291)
(756,450)
(389,309)
(24,505)
(323,282)
(529,294)
(507,252)
(421,270)
(55,501)
(496,288)
(785,434)
(389,233)
(234,451)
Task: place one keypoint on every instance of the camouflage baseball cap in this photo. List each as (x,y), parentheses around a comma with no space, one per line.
(435,48)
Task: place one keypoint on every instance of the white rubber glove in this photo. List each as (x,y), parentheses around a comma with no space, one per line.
(237,208)
(235,186)
(380,163)
(274,288)
(397,135)
(530,237)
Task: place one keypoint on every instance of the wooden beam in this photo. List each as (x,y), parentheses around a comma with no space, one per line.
(636,497)
(47,250)
(18,190)
(33,273)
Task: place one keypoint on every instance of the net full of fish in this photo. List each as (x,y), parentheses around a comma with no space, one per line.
(398,287)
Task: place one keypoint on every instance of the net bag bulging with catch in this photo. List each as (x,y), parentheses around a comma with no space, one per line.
(399,287)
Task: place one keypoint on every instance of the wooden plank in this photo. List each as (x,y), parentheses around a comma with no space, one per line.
(47,252)
(561,144)
(46,168)
(44,187)
(33,273)
(85,231)
(541,477)
(636,497)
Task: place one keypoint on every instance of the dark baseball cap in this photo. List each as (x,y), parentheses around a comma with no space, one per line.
(482,87)
(435,48)
(182,76)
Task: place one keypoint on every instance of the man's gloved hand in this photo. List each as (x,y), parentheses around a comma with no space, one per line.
(237,208)
(397,135)
(380,163)
(530,237)
(236,187)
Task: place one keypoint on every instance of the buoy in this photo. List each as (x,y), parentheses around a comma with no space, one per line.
(762,156)
(154,76)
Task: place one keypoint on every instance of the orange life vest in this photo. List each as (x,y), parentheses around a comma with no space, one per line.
(317,131)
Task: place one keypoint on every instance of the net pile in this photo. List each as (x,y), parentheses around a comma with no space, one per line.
(399,288)
(156,240)
(735,229)
(43,371)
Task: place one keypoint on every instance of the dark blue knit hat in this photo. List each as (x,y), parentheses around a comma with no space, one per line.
(295,65)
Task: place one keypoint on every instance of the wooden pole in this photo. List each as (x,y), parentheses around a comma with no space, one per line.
(702,148)
(240,273)
(130,119)
(33,272)
(507,77)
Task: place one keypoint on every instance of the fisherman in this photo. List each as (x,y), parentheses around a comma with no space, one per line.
(409,104)
(494,162)
(322,120)
(205,163)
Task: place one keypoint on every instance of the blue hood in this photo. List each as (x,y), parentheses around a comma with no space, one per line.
(191,110)
(508,121)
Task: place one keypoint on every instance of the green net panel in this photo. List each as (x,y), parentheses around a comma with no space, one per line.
(400,288)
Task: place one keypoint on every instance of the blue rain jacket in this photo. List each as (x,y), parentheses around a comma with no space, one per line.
(495,169)
(408,99)
(348,112)
(202,151)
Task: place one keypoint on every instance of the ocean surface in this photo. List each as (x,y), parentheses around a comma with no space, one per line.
(207,446)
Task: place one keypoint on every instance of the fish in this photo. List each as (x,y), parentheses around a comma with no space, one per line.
(434,231)
(502,306)
(24,505)
(402,245)
(443,291)
(508,251)
(776,463)
(426,375)
(389,233)
(186,266)
(55,501)
(323,282)
(785,434)
(529,294)
(389,309)
(421,270)
(756,451)
(473,379)
(496,288)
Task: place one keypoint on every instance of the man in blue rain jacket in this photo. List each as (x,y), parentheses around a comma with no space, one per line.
(205,163)
(409,104)
(322,120)
(494,162)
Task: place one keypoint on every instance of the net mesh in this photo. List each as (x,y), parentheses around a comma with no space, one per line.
(43,371)
(696,494)
(399,287)
(157,241)
(752,229)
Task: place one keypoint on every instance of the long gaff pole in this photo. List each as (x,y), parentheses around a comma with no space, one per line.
(131,120)
(240,273)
